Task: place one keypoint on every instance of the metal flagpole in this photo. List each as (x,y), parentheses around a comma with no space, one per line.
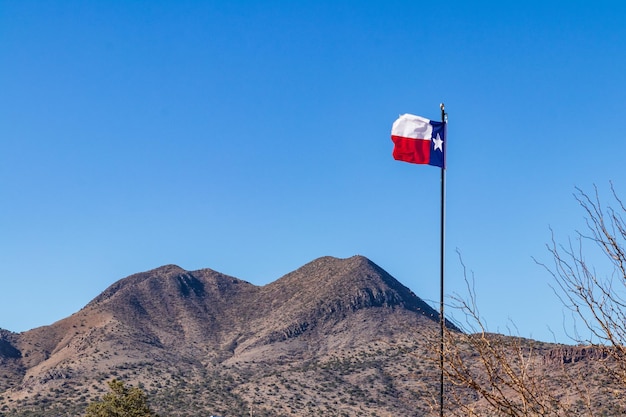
(441,266)
(405,128)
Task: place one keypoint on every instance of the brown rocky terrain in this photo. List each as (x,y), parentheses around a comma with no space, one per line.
(337,337)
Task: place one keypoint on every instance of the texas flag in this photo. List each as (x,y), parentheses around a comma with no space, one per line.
(419,140)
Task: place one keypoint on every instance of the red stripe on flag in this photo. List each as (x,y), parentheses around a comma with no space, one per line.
(415,151)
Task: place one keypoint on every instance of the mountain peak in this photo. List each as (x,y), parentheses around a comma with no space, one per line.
(331,278)
(135,279)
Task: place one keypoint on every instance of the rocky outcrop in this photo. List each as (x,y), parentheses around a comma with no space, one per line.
(573,354)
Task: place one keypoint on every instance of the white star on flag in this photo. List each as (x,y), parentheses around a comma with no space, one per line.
(438,143)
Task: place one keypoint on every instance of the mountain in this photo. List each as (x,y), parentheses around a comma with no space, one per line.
(336,337)
(173,330)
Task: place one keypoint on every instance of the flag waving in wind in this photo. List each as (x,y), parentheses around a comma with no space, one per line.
(419,140)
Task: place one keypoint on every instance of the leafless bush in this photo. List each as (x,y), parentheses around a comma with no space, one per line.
(506,375)
(491,374)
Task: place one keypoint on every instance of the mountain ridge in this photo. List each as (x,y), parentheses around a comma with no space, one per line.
(150,299)
(335,337)
(168,322)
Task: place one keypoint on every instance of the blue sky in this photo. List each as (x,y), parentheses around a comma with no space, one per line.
(253,137)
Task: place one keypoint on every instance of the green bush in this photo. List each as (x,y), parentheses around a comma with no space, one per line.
(122,401)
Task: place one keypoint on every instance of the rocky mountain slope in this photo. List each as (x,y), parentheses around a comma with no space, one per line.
(337,337)
(175,331)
